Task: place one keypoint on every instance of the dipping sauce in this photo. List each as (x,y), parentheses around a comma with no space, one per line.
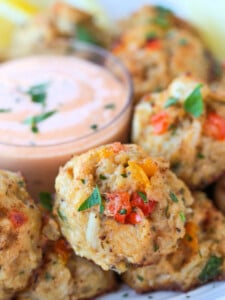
(52,107)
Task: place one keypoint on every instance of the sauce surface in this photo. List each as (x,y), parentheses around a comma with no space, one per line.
(47,100)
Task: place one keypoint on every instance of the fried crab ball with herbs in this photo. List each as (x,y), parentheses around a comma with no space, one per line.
(186,125)
(20,225)
(200,256)
(115,204)
(63,275)
(155,49)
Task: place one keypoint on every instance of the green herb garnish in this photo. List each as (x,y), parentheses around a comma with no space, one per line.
(83,34)
(173,197)
(46,200)
(61,215)
(171,101)
(33,121)
(182,216)
(123,211)
(102,177)
(94,126)
(188,238)
(38,93)
(194,102)
(125,295)
(200,156)
(155,247)
(94,199)
(124,175)
(167,212)
(83,180)
(211,269)
(5,110)
(48,276)
(140,278)
(110,106)
(143,196)
(183,42)
(151,35)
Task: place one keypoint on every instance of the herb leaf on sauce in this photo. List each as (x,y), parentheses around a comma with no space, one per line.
(45,199)
(38,93)
(211,269)
(94,199)
(194,102)
(5,110)
(33,121)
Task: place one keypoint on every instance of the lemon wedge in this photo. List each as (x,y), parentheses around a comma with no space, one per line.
(209,17)
(13,12)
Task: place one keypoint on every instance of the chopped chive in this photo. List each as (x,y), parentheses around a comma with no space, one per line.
(212,268)
(33,121)
(173,197)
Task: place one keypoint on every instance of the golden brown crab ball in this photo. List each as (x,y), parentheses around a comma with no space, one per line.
(63,275)
(157,52)
(115,205)
(20,225)
(199,258)
(186,125)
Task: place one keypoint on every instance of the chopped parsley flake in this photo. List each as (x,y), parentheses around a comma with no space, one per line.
(83,180)
(61,216)
(182,216)
(124,175)
(46,200)
(200,156)
(188,238)
(183,42)
(123,211)
(173,197)
(102,177)
(194,102)
(171,101)
(33,121)
(211,269)
(48,276)
(94,199)
(5,110)
(125,295)
(84,35)
(140,278)
(151,35)
(110,106)
(143,196)
(38,93)
(94,126)
(155,247)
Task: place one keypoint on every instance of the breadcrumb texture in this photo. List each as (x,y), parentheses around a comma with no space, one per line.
(20,225)
(195,156)
(99,237)
(183,270)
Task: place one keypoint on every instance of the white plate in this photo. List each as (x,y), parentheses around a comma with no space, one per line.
(213,291)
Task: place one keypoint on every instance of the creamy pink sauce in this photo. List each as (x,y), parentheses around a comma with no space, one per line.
(83,95)
(89,110)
